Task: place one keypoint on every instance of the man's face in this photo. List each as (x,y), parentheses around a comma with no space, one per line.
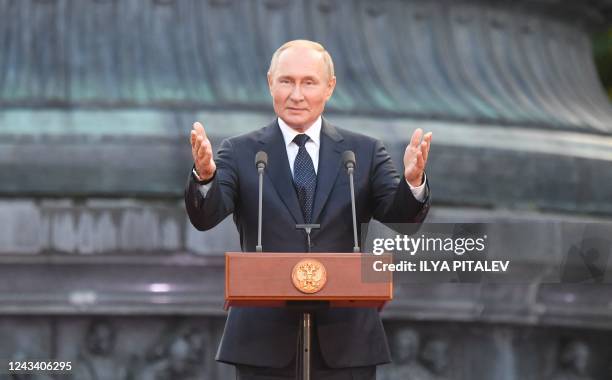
(300,86)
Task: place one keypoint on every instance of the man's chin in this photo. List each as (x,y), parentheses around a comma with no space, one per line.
(296,123)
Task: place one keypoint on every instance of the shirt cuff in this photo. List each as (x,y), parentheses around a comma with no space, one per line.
(204,189)
(418,191)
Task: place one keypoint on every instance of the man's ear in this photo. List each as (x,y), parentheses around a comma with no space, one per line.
(270,80)
(331,85)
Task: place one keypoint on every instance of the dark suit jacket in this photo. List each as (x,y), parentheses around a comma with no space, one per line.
(267,337)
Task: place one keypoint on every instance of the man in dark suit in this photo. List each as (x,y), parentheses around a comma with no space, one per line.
(304,183)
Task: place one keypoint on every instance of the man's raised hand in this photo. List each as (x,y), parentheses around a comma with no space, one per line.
(202,153)
(415,157)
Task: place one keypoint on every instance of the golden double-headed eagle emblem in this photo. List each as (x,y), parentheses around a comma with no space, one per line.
(309,276)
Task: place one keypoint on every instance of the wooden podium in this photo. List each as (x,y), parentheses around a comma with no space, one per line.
(327,279)
(266,280)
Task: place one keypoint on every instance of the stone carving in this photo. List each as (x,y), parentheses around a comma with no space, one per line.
(573,362)
(434,356)
(405,350)
(414,361)
(177,356)
(98,360)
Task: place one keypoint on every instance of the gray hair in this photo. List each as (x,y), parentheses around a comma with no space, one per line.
(327,59)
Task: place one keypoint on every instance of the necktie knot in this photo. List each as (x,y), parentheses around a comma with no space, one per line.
(300,139)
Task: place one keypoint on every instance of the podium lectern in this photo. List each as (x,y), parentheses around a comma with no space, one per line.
(332,279)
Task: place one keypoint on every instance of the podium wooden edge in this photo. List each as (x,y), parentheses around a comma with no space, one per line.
(379,305)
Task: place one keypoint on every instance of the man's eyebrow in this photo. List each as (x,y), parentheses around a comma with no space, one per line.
(291,78)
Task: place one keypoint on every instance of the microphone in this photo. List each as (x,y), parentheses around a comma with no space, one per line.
(261,161)
(348,159)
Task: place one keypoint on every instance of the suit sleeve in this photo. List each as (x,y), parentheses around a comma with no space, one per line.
(206,211)
(392,200)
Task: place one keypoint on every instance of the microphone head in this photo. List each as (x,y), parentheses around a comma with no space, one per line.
(261,159)
(348,159)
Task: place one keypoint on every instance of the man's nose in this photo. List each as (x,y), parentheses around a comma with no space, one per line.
(296,94)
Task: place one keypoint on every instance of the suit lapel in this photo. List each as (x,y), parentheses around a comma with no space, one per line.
(278,169)
(330,154)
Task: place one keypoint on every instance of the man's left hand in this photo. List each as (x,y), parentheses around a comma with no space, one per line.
(415,157)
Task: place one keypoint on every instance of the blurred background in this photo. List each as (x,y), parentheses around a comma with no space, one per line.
(100,265)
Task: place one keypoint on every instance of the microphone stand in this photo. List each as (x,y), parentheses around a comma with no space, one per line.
(306,325)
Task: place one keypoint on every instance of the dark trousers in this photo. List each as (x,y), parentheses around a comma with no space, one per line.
(319,369)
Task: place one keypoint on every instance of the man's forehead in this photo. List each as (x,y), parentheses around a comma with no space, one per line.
(300,58)
(302,50)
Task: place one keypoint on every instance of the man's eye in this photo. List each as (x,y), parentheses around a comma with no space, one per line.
(310,82)
(284,81)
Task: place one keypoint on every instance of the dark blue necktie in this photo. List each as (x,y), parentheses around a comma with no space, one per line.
(304,177)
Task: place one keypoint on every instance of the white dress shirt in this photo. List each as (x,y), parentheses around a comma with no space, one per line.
(312,147)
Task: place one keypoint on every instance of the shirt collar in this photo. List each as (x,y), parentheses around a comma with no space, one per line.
(313,132)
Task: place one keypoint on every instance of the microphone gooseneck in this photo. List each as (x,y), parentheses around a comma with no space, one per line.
(348,159)
(261,161)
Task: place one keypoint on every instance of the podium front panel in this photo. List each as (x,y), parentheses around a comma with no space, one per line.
(268,279)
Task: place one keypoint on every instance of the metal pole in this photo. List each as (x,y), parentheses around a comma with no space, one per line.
(355,238)
(259,248)
(306,317)
(306,345)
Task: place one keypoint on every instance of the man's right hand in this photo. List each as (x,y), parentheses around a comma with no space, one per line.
(201,150)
